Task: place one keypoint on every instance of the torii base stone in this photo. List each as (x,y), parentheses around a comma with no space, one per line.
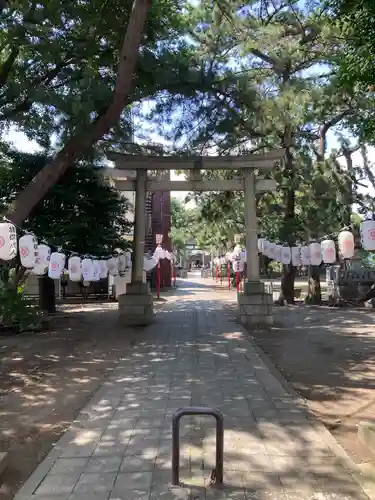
(255,305)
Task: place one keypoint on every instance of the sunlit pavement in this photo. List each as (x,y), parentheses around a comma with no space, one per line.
(119,447)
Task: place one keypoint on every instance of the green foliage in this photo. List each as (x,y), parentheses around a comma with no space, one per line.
(356,20)
(58,63)
(184,224)
(82,213)
(273,83)
(272,71)
(15,311)
(205,224)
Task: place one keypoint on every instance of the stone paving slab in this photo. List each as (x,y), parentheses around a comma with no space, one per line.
(119,447)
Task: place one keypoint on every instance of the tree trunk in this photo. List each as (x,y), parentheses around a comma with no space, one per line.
(289,271)
(314,295)
(287,285)
(76,147)
(18,276)
(47,295)
(349,198)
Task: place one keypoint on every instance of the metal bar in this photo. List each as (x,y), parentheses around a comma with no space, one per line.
(197,410)
(132,162)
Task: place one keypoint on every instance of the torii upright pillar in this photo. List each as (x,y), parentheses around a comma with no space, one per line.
(136,305)
(255,306)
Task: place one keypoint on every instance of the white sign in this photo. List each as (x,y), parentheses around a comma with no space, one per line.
(237,266)
(159,239)
(237,238)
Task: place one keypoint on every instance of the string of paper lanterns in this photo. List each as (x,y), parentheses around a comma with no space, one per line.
(324,251)
(238,257)
(40,260)
(313,253)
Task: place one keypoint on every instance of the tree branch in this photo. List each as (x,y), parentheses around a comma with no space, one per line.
(22,107)
(11,59)
(76,147)
(320,153)
(264,57)
(26,103)
(8,65)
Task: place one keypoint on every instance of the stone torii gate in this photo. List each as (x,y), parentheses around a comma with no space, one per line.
(136,305)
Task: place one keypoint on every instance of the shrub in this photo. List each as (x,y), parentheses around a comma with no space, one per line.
(15,311)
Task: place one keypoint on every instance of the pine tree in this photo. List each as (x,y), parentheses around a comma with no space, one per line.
(271,71)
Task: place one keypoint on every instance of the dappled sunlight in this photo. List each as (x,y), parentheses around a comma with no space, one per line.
(194,355)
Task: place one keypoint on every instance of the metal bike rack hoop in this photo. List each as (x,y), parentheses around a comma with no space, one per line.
(197,410)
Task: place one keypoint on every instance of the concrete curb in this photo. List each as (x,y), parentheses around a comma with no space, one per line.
(352,468)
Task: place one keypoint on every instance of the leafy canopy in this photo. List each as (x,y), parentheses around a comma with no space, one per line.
(356,20)
(58,63)
(82,213)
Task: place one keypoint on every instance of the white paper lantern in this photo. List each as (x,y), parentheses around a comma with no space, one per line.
(243,256)
(236,254)
(305,255)
(159,253)
(112,264)
(27,246)
(56,265)
(296,256)
(328,251)
(272,250)
(103,269)
(266,248)
(346,244)
(128,259)
(39,270)
(368,235)
(167,255)
(261,245)
(315,254)
(121,263)
(286,255)
(149,263)
(87,269)
(278,253)
(8,241)
(238,266)
(95,270)
(43,255)
(74,268)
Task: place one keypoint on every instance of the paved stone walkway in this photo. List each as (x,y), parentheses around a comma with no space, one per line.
(195,354)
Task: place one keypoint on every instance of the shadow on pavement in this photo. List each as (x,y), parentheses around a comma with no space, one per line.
(194,355)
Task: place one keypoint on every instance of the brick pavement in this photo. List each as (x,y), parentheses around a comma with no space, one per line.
(194,354)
